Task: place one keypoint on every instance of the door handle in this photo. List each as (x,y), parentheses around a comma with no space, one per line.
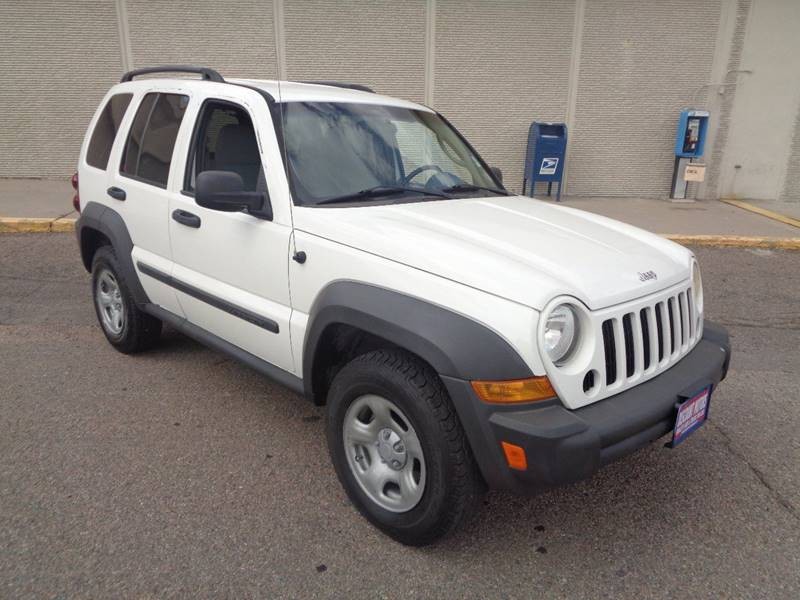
(184,217)
(116,193)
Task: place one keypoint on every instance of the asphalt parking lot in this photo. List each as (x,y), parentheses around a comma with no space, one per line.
(181,473)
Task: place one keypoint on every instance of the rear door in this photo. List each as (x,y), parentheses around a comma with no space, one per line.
(230,269)
(139,182)
(95,170)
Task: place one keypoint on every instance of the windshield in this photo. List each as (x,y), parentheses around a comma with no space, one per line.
(359,152)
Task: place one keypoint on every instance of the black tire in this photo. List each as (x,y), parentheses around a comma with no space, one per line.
(453,484)
(139,331)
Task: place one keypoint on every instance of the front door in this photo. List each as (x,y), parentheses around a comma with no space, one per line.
(230,269)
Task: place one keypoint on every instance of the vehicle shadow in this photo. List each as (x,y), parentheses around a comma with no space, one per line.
(637,515)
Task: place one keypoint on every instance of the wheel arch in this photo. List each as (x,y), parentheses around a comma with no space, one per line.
(100,225)
(349,318)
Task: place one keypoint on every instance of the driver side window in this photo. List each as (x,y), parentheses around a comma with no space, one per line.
(225,140)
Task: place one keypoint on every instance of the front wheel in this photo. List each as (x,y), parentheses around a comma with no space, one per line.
(399,449)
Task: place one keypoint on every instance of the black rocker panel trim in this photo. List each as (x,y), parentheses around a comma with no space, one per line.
(207,338)
(451,343)
(96,217)
(216,302)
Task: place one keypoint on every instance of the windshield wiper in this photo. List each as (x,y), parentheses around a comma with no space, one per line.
(469,187)
(379,191)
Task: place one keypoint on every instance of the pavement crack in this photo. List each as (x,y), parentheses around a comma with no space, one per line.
(762,478)
(34,279)
(786,324)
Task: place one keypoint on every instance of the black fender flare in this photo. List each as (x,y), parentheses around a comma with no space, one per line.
(105,220)
(453,344)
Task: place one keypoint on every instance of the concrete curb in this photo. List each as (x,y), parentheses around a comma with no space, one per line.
(34,225)
(734,241)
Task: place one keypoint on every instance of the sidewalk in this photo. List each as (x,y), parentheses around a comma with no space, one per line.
(39,198)
(49,202)
(702,217)
(785,207)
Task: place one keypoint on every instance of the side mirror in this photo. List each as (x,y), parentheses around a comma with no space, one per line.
(497,173)
(224,191)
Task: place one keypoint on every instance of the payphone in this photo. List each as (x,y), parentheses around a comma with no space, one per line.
(690,142)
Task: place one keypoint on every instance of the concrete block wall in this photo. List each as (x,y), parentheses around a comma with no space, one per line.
(236,37)
(56,62)
(617,71)
(380,43)
(641,63)
(499,66)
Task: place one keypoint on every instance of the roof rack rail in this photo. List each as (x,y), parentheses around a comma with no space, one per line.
(349,86)
(208,74)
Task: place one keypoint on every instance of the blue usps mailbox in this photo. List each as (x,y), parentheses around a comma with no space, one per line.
(544,158)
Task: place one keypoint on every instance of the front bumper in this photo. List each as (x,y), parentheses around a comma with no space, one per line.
(562,445)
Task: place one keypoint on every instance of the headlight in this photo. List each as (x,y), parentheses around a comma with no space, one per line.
(560,333)
(697,288)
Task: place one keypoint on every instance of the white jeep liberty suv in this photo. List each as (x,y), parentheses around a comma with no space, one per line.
(355,248)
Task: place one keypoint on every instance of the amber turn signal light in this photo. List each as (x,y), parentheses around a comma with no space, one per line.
(515,390)
(515,456)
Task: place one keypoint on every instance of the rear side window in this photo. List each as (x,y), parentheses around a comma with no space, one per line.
(148,151)
(106,130)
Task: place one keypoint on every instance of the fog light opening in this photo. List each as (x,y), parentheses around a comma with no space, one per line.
(590,382)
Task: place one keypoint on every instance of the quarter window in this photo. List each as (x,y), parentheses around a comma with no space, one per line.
(225,140)
(148,151)
(105,131)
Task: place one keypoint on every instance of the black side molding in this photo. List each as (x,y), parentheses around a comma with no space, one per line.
(224,305)
(207,338)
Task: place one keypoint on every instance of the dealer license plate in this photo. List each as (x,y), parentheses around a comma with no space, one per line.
(691,415)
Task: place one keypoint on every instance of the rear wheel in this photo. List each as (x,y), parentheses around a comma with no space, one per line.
(399,449)
(126,327)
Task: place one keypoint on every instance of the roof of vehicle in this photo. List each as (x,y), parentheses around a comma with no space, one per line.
(294,91)
(284,91)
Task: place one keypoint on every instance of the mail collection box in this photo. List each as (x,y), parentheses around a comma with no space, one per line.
(545,156)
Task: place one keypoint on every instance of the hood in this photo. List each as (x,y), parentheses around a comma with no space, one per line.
(518,248)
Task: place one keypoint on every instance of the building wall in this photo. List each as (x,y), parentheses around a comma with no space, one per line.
(617,71)
(380,43)
(56,62)
(641,63)
(236,37)
(499,66)
(759,147)
(791,182)
(722,91)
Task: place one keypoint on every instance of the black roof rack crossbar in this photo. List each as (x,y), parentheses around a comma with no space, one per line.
(208,74)
(349,86)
